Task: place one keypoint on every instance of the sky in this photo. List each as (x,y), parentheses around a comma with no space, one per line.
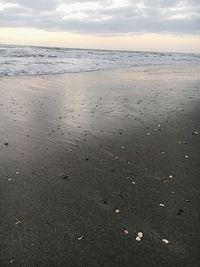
(151,25)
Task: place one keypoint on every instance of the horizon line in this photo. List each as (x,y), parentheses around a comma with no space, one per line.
(100,49)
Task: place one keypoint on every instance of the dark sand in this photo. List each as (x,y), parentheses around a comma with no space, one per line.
(76,147)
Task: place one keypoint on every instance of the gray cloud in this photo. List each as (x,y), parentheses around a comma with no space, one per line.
(103,16)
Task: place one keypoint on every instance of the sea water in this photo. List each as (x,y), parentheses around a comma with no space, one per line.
(29,60)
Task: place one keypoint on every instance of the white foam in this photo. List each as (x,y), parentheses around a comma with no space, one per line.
(23,60)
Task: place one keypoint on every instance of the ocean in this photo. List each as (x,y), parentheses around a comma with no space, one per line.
(29,60)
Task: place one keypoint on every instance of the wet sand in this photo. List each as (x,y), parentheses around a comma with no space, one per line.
(89,160)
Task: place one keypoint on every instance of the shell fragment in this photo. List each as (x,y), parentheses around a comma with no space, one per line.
(165,241)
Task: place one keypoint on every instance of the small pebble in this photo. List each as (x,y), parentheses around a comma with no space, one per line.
(140,234)
(170,176)
(117,211)
(133,182)
(18,222)
(186,156)
(165,241)
(138,238)
(12,260)
(65,177)
(126,231)
(180,211)
(161,205)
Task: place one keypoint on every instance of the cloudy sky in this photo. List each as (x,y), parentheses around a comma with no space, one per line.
(119,24)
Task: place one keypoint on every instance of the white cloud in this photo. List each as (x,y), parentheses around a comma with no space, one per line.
(103,16)
(4,6)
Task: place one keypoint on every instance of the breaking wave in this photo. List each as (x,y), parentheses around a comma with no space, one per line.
(26,60)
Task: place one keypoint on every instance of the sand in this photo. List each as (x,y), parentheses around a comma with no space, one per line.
(89,162)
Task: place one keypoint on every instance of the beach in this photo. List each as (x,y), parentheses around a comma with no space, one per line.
(89,160)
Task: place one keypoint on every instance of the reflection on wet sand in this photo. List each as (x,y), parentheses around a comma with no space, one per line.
(94,161)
